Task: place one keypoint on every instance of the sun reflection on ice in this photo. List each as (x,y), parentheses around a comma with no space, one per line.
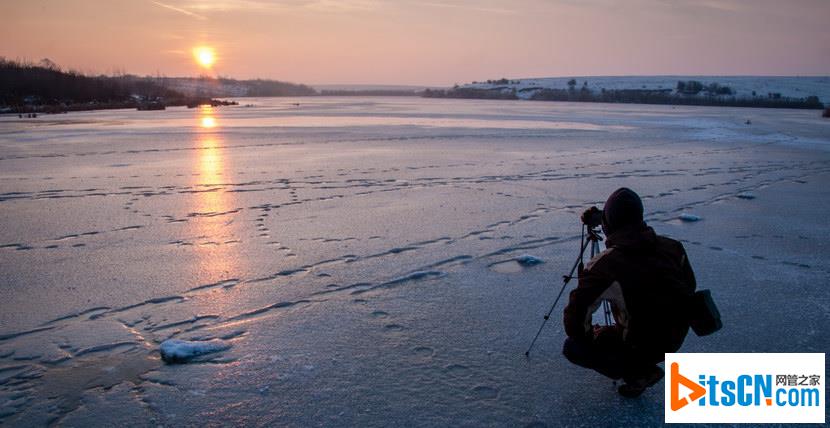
(208,122)
(214,206)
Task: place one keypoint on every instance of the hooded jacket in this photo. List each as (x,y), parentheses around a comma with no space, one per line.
(647,279)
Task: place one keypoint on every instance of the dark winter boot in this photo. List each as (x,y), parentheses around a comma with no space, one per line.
(633,388)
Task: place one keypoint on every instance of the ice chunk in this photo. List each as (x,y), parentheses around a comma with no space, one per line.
(528,260)
(688,217)
(181,351)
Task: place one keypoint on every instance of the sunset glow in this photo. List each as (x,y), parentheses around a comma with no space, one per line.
(411,43)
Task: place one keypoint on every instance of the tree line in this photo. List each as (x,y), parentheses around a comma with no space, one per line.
(25,83)
(46,87)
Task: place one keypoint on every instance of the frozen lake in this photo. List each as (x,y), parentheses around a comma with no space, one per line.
(356,256)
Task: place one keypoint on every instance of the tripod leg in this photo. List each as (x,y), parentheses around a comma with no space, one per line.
(606,307)
(567,278)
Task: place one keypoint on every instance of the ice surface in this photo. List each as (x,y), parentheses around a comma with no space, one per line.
(361,255)
(181,351)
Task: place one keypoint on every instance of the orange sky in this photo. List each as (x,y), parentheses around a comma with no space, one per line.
(431,42)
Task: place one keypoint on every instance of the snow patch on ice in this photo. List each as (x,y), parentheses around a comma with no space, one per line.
(528,260)
(516,264)
(746,195)
(688,217)
(181,351)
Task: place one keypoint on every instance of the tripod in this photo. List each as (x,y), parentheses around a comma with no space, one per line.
(592,239)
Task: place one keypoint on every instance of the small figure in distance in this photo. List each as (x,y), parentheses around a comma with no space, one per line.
(647,279)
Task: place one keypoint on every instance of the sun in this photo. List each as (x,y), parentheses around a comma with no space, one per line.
(205,56)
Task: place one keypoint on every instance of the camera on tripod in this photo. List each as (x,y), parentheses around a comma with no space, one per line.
(592,217)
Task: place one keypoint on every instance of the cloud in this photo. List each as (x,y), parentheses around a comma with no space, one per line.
(226,5)
(728,6)
(342,6)
(718,5)
(470,6)
(324,6)
(715,5)
(178,9)
(332,6)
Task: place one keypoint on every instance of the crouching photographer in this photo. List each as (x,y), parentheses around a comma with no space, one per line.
(647,281)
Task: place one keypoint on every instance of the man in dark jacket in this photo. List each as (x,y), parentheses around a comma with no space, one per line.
(647,279)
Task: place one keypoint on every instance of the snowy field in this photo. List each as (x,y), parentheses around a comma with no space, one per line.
(352,261)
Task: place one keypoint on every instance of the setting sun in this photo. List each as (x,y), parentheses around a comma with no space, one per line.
(205,56)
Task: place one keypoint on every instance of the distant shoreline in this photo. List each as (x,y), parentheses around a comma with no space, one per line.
(633,97)
(725,91)
(6,111)
(498,91)
(27,88)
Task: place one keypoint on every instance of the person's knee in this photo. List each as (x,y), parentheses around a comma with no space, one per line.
(576,352)
(585,354)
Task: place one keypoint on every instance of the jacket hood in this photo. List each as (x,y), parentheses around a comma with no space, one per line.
(623,209)
(638,237)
